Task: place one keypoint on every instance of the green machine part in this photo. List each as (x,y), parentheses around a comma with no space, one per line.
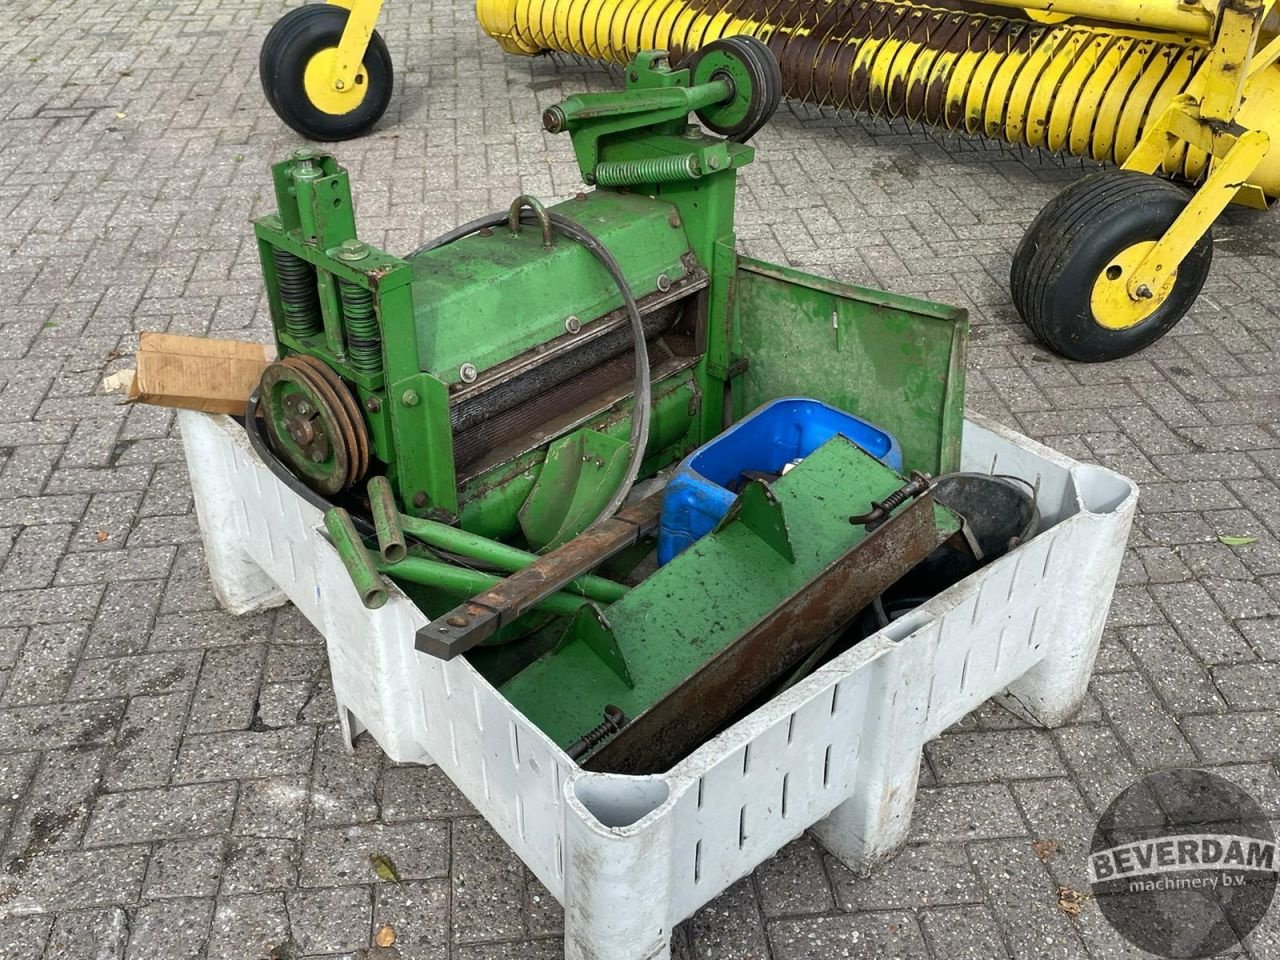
(409,348)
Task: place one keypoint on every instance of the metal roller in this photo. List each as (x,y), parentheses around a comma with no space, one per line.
(1074,85)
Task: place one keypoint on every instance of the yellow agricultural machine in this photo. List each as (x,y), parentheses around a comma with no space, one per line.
(1182,89)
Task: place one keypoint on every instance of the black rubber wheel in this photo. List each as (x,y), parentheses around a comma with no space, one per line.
(297,37)
(1076,238)
(751,64)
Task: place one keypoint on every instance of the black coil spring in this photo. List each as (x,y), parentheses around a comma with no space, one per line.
(364,338)
(299,298)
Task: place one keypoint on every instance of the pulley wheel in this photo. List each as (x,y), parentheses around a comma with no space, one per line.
(752,72)
(310,425)
(347,402)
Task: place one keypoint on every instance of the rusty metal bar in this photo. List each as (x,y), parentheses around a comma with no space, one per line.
(472,622)
(703,702)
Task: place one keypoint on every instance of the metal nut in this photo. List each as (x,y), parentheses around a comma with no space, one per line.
(572,324)
(373,404)
(353,249)
(467,373)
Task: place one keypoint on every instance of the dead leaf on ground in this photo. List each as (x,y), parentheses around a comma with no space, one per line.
(384,868)
(1045,849)
(1071,902)
(385,936)
(102,536)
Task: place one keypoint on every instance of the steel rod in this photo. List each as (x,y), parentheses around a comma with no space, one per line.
(464,582)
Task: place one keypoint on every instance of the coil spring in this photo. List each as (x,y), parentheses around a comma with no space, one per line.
(614,720)
(364,338)
(299,299)
(628,173)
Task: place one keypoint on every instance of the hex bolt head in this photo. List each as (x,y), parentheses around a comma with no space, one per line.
(353,249)
(467,373)
(409,398)
(572,324)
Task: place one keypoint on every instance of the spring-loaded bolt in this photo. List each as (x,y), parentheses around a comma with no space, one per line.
(614,720)
(409,398)
(467,373)
(664,282)
(572,324)
(879,512)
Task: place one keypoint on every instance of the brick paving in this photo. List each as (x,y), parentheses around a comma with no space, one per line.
(171,779)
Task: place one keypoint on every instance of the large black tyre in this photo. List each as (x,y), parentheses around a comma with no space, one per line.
(755,66)
(1076,239)
(297,37)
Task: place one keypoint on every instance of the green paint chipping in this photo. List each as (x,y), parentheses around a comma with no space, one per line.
(706,598)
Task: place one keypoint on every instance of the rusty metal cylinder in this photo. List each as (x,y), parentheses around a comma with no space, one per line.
(1073,86)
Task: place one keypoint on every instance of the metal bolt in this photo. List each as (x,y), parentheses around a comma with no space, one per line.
(1144,292)
(692,132)
(420,499)
(713,162)
(353,249)
(409,398)
(457,620)
(572,324)
(467,372)
(304,408)
(339,85)
(673,218)
(664,282)
(304,153)
(317,457)
(373,404)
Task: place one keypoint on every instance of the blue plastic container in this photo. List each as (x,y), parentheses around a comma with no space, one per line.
(772,436)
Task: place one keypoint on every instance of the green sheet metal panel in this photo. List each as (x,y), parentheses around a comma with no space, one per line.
(896,361)
(486,299)
(686,612)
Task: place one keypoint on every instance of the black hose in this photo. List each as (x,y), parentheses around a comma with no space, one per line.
(641,385)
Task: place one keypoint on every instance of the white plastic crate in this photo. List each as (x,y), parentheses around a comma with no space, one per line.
(630,857)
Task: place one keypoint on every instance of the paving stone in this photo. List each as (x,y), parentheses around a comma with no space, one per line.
(249,926)
(94,935)
(338,855)
(418,911)
(344,785)
(74,880)
(272,808)
(918,875)
(176,929)
(257,865)
(43,671)
(56,805)
(169,812)
(1008,754)
(184,868)
(124,618)
(545,917)
(730,927)
(226,695)
(1140,720)
(152,673)
(1182,682)
(144,750)
(965,812)
(887,935)
(1235,737)
(963,933)
(24,938)
(57,725)
(793,881)
(330,920)
(418,792)
(1024,901)
(232,755)
(488,885)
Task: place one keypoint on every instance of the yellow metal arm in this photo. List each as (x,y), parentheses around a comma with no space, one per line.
(355,40)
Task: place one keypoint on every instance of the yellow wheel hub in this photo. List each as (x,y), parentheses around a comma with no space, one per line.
(1111,304)
(317,81)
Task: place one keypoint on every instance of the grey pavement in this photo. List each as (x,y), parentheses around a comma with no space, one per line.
(171,779)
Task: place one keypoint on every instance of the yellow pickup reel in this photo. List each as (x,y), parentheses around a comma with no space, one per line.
(1187,89)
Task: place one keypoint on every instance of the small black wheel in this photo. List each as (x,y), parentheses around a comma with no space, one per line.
(295,63)
(753,71)
(1071,272)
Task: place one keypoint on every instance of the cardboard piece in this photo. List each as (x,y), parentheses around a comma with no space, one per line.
(198,373)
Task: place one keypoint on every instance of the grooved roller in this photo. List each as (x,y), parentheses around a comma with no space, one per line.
(1065,85)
